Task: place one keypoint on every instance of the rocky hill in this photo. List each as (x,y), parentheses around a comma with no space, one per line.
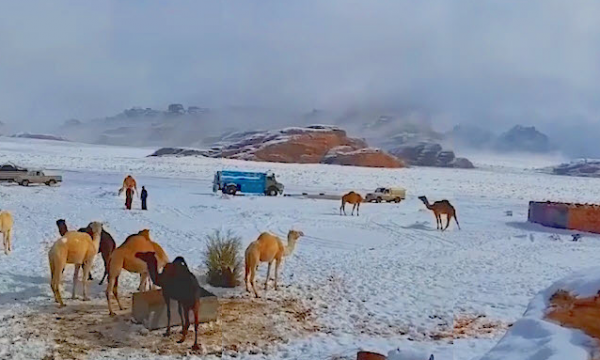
(525,139)
(582,168)
(303,145)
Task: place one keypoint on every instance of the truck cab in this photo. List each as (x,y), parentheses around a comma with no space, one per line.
(386,194)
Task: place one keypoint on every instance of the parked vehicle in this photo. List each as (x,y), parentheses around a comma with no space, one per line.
(37,177)
(232,182)
(10,171)
(386,194)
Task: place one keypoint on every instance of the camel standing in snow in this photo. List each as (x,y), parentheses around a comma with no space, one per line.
(268,248)
(351,198)
(124,257)
(439,208)
(128,183)
(6,226)
(75,248)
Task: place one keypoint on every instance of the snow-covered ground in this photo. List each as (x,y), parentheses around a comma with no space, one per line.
(381,281)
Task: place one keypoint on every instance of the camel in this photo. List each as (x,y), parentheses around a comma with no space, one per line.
(123,257)
(268,248)
(128,183)
(6,227)
(74,248)
(177,283)
(351,198)
(439,208)
(107,243)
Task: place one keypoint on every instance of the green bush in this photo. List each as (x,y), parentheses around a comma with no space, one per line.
(222,259)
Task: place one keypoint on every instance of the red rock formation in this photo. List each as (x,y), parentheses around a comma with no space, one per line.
(367,157)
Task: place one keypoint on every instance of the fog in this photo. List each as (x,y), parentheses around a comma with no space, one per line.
(493,63)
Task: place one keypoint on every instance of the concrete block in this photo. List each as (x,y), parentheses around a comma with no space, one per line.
(150,310)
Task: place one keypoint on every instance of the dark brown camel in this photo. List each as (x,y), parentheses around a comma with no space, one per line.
(177,283)
(439,208)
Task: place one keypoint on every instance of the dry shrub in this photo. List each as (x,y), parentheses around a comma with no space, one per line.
(222,259)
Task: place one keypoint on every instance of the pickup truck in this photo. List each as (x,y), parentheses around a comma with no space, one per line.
(37,177)
(231,182)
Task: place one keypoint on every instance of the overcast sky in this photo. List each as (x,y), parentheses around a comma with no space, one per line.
(481,61)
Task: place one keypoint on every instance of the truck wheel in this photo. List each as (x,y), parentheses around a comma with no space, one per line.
(231,190)
(51,182)
(397,200)
(378,200)
(25,182)
(272,191)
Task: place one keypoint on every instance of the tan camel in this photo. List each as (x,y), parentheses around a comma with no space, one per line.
(351,198)
(439,208)
(124,257)
(268,248)
(6,226)
(128,183)
(75,248)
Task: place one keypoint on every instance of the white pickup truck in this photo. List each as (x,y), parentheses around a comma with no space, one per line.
(37,177)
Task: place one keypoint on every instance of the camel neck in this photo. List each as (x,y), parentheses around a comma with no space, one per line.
(291,246)
(153,272)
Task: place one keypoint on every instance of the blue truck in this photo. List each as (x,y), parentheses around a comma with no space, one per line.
(232,182)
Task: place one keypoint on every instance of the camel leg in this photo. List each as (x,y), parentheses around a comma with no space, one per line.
(353,207)
(143,281)
(253,280)
(109,289)
(9,239)
(56,270)
(196,311)
(168,302)
(75,280)
(186,314)
(105,257)
(5,241)
(438,220)
(357,209)
(276,272)
(180,309)
(87,268)
(116,293)
(448,218)
(268,274)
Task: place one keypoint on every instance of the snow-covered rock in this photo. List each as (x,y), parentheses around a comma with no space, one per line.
(368,157)
(410,354)
(584,168)
(533,337)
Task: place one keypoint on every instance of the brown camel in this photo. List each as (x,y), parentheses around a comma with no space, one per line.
(268,248)
(75,248)
(124,257)
(439,208)
(128,183)
(351,198)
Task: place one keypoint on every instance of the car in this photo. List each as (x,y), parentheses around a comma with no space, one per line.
(10,171)
(386,194)
(37,177)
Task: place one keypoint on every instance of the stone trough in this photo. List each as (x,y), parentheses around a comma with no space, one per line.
(150,310)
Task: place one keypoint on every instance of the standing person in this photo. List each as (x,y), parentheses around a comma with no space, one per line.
(144,196)
(129,198)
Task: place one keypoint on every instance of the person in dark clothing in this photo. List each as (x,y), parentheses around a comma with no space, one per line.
(129,198)
(144,196)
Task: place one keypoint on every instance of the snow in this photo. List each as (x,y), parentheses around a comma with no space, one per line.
(381,281)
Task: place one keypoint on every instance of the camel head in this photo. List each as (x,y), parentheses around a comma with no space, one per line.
(147,257)
(96,227)
(295,234)
(424,199)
